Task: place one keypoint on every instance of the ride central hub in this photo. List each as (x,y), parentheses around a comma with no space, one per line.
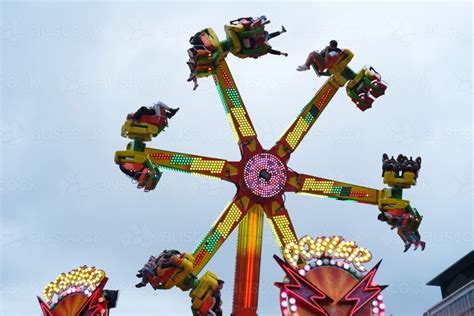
(265,175)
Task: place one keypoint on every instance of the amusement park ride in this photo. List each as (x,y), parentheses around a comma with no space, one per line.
(262,178)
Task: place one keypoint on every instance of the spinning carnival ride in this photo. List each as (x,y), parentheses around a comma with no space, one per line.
(261,176)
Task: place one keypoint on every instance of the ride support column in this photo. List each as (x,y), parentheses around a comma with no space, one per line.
(247,269)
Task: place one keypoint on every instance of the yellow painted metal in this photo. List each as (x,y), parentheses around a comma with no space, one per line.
(230,31)
(280,223)
(123,156)
(134,130)
(205,289)
(406,181)
(293,136)
(223,226)
(330,188)
(342,64)
(212,36)
(230,220)
(386,201)
(283,228)
(236,113)
(199,165)
(182,274)
(213,166)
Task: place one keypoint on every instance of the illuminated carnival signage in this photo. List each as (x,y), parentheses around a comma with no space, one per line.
(334,247)
(83,279)
(326,276)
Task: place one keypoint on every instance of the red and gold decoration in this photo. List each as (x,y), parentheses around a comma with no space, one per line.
(324,283)
(79,292)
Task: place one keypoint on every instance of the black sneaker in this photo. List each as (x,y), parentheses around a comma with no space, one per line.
(172,112)
(407,246)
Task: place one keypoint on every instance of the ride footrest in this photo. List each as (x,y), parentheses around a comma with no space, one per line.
(183,278)
(247,41)
(365,88)
(338,65)
(205,53)
(173,269)
(139,167)
(149,178)
(398,214)
(202,62)
(335,66)
(391,202)
(130,156)
(145,129)
(202,296)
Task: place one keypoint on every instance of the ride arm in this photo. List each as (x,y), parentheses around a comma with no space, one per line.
(220,231)
(395,211)
(307,184)
(207,58)
(187,163)
(293,136)
(235,109)
(280,222)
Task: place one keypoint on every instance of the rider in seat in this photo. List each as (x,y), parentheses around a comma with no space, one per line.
(320,59)
(155,265)
(158,109)
(402,222)
(258,40)
(216,309)
(198,49)
(147,272)
(269,36)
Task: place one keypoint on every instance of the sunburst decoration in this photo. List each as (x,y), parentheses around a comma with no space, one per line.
(83,279)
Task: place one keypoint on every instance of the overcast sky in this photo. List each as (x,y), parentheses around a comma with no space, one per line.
(71,72)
